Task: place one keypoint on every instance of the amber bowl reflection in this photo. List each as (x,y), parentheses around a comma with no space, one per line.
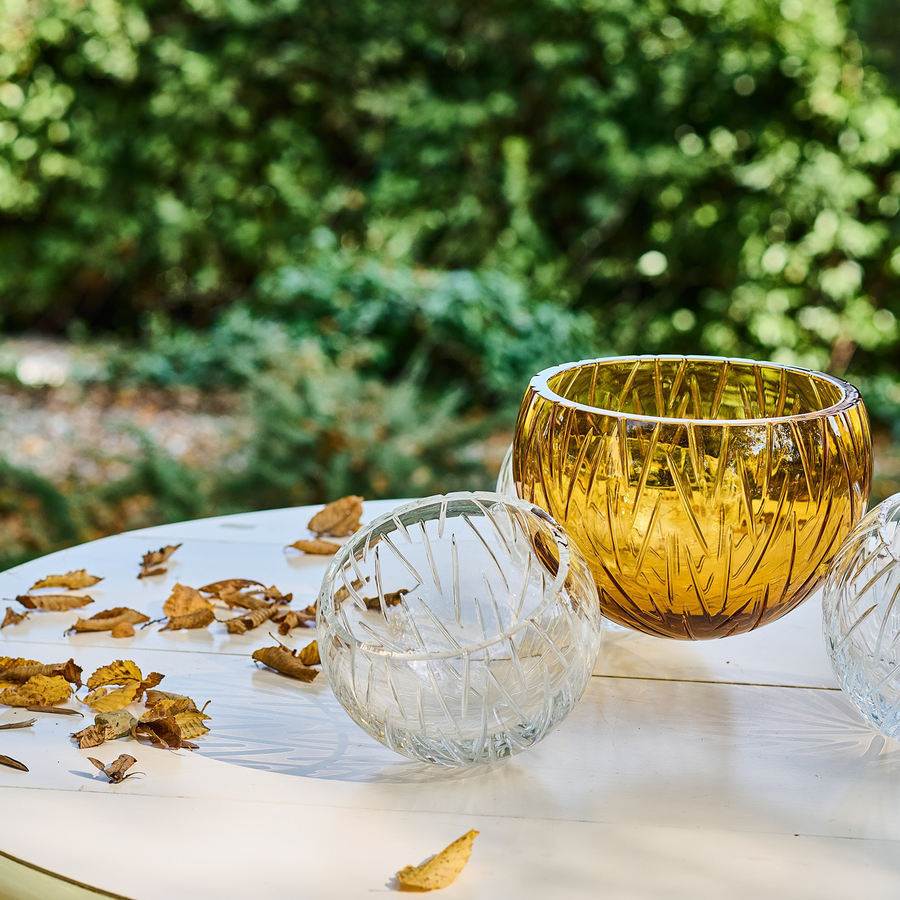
(708,495)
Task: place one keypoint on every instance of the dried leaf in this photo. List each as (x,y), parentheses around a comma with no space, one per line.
(163,731)
(242,600)
(391,598)
(249,620)
(58,710)
(339,518)
(152,561)
(229,584)
(286,662)
(39,690)
(116,770)
(309,655)
(106,699)
(108,619)
(185,600)
(71,581)
(188,718)
(12,662)
(107,727)
(442,869)
(122,671)
(316,547)
(275,597)
(343,593)
(199,619)
(25,723)
(54,602)
(292,618)
(123,630)
(21,674)
(12,617)
(13,763)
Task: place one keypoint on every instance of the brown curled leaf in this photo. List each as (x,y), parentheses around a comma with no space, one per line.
(286,662)
(292,618)
(188,718)
(163,731)
(25,723)
(309,655)
(391,598)
(152,562)
(21,674)
(71,581)
(116,770)
(123,630)
(317,547)
(183,601)
(242,600)
(343,593)
(38,690)
(12,617)
(249,620)
(108,619)
(275,597)
(228,585)
(54,602)
(12,763)
(338,518)
(199,619)
(442,869)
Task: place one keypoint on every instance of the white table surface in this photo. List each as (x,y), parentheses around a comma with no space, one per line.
(725,769)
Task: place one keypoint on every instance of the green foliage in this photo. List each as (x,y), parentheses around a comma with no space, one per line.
(712,174)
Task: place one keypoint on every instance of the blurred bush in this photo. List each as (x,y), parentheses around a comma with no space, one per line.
(698,174)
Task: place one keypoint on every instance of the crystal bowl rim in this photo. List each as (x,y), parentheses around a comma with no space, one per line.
(850,396)
(551,591)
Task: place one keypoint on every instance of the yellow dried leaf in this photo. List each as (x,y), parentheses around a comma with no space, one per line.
(442,869)
(72,581)
(338,518)
(309,655)
(108,619)
(122,671)
(12,617)
(123,630)
(152,561)
(105,699)
(40,690)
(13,662)
(316,547)
(21,674)
(188,718)
(185,600)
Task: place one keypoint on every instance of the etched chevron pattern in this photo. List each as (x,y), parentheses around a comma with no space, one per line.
(459,629)
(861,607)
(708,496)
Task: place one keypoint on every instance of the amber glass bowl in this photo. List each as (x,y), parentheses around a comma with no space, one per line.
(708,495)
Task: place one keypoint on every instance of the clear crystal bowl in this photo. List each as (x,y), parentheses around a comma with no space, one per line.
(459,629)
(861,605)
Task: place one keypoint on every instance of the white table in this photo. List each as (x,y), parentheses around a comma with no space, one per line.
(725,770)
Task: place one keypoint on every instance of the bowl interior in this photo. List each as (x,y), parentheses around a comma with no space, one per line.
(696,389)
(444,577)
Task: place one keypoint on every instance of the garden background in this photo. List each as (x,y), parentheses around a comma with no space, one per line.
(258,253)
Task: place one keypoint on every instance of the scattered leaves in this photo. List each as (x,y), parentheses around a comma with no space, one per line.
(123,630)
(39,690)
(71,581)
(108,619)
(316,547)
(107,727)
(21,674)
(25,723)
(309,655)
(338,518)
(13,763)
(116,770)
(121,672)
(54,602)
(442,869)
(12,617)
(285,661)
(152,563)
